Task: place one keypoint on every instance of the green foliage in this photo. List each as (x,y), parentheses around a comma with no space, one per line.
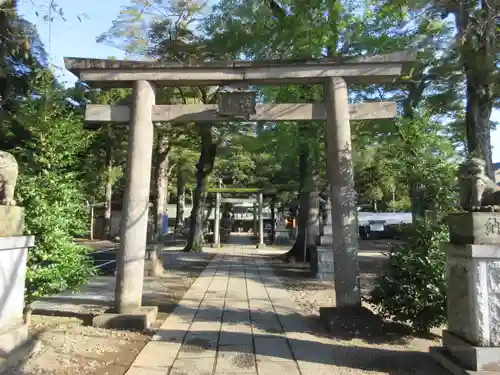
(50,189)
(412,286)
(53,204)
(400,205)
(425,157)
(410,152)
(235,163)
(468,72)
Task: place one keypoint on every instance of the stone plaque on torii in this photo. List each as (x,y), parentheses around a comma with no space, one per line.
(143,77)
(237,104)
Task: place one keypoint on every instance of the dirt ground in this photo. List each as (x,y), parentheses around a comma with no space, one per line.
(68,345)
(311,294)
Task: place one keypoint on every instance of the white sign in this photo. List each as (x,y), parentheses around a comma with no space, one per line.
(377,226)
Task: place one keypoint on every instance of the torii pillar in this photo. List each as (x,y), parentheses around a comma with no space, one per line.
(128,311)
(343,195)
(134,221)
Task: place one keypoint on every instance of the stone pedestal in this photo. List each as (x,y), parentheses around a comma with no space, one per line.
(153,264)
(326,236)
(477,228)
(325,269)
(13,257)
(472,341)
(325,265)
(14,343)
(11,221)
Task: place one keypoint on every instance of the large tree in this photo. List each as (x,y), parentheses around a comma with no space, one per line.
(475,52)
(21,52)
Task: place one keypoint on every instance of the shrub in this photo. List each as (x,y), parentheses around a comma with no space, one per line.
(47,138)
(53,206)
(411,289)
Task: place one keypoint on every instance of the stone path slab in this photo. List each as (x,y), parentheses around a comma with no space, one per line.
(237,319)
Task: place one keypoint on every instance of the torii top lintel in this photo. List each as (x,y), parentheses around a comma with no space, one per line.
(121,73)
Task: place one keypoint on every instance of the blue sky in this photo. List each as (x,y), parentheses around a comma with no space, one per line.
(73,38)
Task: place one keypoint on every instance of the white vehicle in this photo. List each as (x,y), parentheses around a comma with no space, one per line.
(379,222)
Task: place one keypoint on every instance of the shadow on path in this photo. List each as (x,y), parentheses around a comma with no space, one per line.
(98,294)
(315,352)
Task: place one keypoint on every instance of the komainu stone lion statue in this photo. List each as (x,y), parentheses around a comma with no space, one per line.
(477,191)
(8,178)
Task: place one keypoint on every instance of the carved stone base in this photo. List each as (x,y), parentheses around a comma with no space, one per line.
(472,357)
(443,357)
(11,221)
(13,256)
(478,228)
(141,319)
(325,240)
(473,291)
(472,342)
(461,357)
(324,269)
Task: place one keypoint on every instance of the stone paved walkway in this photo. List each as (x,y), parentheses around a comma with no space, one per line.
(236,319)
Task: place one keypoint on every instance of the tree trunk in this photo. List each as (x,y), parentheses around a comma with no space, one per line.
(477,123)
(417,201)
(106,230)
(203,169)
(181,199)
(477,27)
(307,220)
(195,236)
(161,183)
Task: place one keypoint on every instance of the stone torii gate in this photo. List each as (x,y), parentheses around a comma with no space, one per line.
(218,191)
(260,206)
(143,77)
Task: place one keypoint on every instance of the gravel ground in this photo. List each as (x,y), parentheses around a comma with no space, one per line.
(67,345)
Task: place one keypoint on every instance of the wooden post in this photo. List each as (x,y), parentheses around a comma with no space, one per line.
(261,221)
(255,219)
(216,239)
